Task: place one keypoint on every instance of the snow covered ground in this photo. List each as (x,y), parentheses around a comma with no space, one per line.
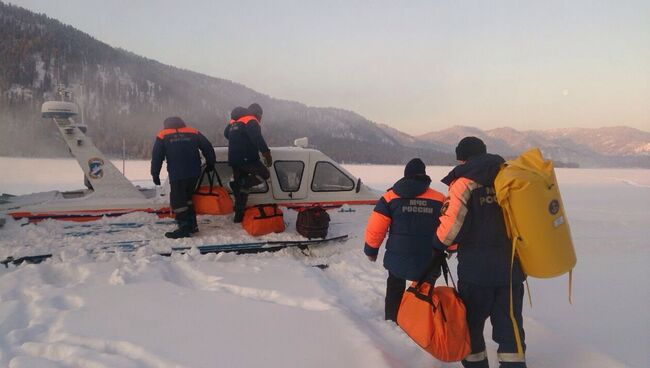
(85,308)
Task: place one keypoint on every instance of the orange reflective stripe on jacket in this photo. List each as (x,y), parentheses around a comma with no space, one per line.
(455,210)
(389,196)
(244,119)
(377,228)
(433,195)
(378,224)
(166,132)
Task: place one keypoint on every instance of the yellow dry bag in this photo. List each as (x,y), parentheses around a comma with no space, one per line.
(527,191)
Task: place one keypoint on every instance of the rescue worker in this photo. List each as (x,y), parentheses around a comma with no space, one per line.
(409,212)
(472,224)
(179,145)
(245,140)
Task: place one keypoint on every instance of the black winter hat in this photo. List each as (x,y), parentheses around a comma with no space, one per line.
(238,112)
(256,110)
(173,122)
(415,167)
(468,147)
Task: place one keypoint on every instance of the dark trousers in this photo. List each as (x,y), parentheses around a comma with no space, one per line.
(246,177)
(395,287)
(250,175)
(180,199)
(483,302)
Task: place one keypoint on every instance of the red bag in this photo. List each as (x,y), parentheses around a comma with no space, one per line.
(263,219)
(210,199)
(435,318)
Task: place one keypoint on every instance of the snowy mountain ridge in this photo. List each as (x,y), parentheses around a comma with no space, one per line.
(591,147)
(617,140)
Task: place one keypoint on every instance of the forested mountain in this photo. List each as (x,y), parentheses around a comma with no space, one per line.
(126,96)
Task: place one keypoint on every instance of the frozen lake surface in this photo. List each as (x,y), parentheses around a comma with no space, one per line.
(276,310)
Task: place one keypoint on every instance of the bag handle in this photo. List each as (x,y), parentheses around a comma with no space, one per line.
(216,174)
(428,297)
(211,176)
(263,214)
(198,183)
(446,273)
(422,278)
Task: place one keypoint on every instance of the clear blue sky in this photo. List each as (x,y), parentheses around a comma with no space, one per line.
(415,65)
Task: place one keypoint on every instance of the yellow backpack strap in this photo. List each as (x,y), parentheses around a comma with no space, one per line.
(530,298)
(515,326)
(570,285)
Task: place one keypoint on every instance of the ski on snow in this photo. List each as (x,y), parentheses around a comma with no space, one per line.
(239,248)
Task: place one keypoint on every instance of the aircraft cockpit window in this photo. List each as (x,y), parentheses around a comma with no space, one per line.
(289,174)
(328,178)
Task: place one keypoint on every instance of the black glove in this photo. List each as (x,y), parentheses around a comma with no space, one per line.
(156,180)
(268,160)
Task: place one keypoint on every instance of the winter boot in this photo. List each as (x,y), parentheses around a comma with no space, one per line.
(478,360)
(178,234)
(194,226)
(186,221)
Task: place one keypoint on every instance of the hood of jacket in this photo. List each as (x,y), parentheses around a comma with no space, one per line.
(239,112)
(482,169)
(412,186)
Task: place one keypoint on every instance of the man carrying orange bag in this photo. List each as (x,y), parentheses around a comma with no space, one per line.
(408,212)
(472,220)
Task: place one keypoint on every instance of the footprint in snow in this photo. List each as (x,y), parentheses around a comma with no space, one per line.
(182,274)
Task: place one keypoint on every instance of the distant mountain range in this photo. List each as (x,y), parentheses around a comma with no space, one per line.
(126,96)
(612,146)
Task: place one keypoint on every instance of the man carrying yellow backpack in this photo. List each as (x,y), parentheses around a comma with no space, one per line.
(472,221)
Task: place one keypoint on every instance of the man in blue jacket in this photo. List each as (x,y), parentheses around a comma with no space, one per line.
(409,213)
(180,146)
(245,142)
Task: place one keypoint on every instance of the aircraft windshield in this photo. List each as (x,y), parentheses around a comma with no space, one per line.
(328,178)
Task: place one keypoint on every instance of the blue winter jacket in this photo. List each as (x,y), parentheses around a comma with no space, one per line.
(245,138)
(180,146)
(473,221)
(409,213)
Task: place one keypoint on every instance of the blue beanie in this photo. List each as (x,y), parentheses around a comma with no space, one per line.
(415,167)
(468,147)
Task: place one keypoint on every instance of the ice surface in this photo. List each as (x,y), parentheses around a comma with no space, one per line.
(83,309)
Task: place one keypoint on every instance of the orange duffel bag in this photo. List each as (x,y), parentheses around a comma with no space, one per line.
(263,219)
(210,199)
(434,317)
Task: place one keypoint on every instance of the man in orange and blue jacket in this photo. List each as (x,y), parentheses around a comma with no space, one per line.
(409,213)
(180,146)
(245,143)
(472,221)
